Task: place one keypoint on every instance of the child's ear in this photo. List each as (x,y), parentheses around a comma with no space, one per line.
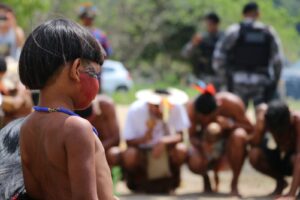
(75,70)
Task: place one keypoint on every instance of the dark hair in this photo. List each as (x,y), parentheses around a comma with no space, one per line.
(86,112)
(277,117)
(6,7)
(53,44)
(3,66)
(205,104)
(87,12)
(213,17)
(249,7)
(162,91)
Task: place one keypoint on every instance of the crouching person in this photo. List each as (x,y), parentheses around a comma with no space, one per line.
(283,159)
(153,132)
(218,134)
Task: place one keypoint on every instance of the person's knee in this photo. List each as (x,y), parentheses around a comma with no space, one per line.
(296,159)
(255,156)
(130,158)
(196,163)
(113,156)
(179,154)
(238,137)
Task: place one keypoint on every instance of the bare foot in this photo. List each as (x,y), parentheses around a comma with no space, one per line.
(207,185)
(235,193)
(280,186)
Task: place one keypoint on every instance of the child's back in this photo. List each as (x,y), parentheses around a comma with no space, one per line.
(61,156)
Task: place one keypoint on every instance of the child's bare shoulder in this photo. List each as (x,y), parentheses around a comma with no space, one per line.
(76,129)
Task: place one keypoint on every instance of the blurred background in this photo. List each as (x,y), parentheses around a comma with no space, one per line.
(147,36)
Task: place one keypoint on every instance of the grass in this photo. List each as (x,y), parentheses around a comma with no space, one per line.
(294,104)
(126,98)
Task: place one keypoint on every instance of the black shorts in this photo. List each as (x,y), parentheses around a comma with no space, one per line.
(283,164)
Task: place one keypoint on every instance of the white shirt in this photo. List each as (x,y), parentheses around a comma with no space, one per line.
(138,115)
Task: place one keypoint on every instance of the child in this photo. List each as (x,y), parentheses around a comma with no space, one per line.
(61,156)
(214,146)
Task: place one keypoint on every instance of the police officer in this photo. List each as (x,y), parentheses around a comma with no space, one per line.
(251,54)
(200,50)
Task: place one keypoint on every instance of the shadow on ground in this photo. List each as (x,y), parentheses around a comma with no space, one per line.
(191,196)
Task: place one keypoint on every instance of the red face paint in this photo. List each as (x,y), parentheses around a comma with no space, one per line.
(88,91)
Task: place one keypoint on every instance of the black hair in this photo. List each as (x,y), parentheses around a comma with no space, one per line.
(213,17)
(87,12)
(3,66)
(250,7)
(52,45)
(162,91)
(277,117)
(86,112)
(6,7)
(205,104)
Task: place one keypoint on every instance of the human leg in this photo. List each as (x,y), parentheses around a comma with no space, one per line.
(113,156)
(268,162)
(131,158)
(178,154)
(199,165)
(236,153)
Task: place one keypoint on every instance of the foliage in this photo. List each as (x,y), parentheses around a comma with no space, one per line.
(28,11)
(125,98)
(148,35)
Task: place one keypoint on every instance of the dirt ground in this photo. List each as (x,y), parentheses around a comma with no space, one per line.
(252,185)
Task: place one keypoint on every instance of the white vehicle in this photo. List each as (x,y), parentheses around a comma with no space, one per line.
(115,77)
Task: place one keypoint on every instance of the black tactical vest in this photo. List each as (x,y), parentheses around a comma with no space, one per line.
(252,50)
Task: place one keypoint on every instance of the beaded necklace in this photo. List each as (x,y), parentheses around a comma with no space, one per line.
(62,110)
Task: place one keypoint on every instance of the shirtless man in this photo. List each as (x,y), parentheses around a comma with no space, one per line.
(102,115)
(284,160)
(61,156)
(229,112)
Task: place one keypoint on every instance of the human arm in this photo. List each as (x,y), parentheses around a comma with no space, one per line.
(112,137)
(140,140)
(223,46)
(296,169)
(234,115)
(277,57)
(193,135)
(172,139)
(80,147)
(166,141)
(20,36)
(189,48)
(106,45)
(192,131)
(179,121)
(260,127)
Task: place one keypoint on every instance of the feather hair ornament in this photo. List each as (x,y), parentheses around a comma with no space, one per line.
(202,88)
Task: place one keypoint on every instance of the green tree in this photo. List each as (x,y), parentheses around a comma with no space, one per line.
(148,35)
(28,12)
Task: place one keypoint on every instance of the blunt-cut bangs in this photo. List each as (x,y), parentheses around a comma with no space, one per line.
(52,45)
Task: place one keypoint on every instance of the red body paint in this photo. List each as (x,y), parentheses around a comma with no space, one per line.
(88,91)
